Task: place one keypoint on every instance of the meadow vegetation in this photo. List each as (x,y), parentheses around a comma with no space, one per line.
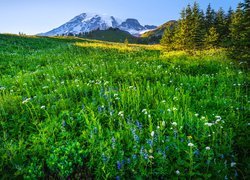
(75,108)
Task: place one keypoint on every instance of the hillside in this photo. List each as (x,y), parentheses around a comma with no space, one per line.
(111,35)
(156,35)
(72,108)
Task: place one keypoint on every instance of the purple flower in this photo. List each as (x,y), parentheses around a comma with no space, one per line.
(119,165)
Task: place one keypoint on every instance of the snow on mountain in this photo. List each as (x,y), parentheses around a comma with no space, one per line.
(87,22)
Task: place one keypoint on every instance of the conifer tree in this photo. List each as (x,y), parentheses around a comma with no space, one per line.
(167,39)
(211,38)
(220,25)
(197,31)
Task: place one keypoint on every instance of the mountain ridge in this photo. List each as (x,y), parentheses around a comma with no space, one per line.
(87,22)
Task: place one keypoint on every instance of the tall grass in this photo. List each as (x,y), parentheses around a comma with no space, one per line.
(82,109)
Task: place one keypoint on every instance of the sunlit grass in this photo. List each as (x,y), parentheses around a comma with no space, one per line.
(75,108)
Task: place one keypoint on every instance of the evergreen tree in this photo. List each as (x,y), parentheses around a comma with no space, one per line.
(167,39)
(180,31)
(220,24)
(126,42)
(211,38)
(240,32)
(197,30)
(209,17)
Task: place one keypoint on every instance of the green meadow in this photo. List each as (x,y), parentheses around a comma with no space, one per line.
(73,108)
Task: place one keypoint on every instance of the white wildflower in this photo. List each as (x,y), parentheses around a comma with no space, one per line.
(121,113)
(174,123)
(208,148)
(26,100)
(233,164)
(190,144)
(42,107)
(208,124)
(174,108)
(152,133)
(177,172)
(151,157)
(218,117)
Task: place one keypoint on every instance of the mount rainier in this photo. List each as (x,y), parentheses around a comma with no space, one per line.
(87,22)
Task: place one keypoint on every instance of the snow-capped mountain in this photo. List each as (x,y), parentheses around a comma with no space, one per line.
(87,22)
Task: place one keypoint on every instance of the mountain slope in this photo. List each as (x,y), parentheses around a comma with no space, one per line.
(156,34)
(111,35)
(87,22)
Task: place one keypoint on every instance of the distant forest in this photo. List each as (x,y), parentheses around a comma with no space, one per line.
(198,30)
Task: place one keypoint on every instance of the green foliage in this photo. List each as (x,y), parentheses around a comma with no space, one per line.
(64,159)
(240,32)
(211,38)
(126,42)
(78,109)
(167,39)
(196,31)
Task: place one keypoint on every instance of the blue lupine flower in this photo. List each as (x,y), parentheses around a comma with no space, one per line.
(104,158)
(119,165)
(134,156)
(196,152)
(128,161)
(123,161)
(150,142)
(139,125)
(136,137)
(117,177)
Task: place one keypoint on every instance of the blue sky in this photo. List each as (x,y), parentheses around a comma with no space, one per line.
(35,16)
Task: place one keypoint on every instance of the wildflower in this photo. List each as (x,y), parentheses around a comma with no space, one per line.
(121,113)
(190,144)
(208,148)
(26,100)
(119,165)
(233,164)
(203,117)
(208,124)
(151,157)
(169,110)
(196,114)
(174,123)
(158,127)
(42,107)
(177,172)
(152,133)
(139,125)
(144,111)
(2,88)
(163,123)
(218,117)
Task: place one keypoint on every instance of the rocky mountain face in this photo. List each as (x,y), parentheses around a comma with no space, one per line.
(87,22)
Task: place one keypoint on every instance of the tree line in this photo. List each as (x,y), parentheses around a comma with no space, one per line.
(198,30)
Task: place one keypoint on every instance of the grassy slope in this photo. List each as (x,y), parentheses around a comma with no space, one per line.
(155,35)
(112,35)
(93,107)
